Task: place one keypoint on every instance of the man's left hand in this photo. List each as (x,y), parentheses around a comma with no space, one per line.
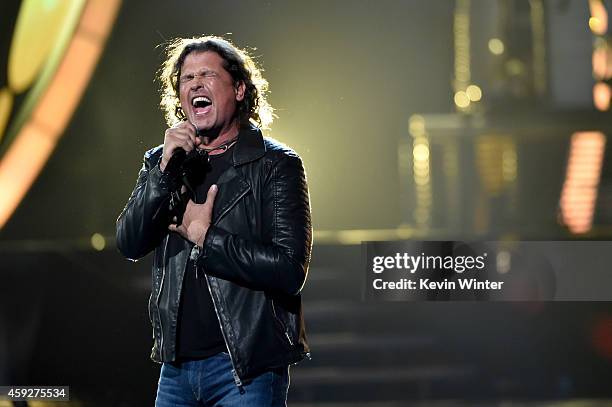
(196,219)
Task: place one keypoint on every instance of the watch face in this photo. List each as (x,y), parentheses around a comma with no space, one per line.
(50,48)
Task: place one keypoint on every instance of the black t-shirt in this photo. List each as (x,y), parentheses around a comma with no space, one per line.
(198,332)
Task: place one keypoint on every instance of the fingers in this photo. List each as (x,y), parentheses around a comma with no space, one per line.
(210,196)
(197,140)
(182,136)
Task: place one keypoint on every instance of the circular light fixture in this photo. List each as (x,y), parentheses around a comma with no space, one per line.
(54,50)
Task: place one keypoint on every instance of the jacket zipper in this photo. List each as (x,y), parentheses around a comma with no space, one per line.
(281,323)
(229,350)
(161,287)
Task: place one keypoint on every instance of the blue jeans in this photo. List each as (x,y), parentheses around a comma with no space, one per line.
(209,382)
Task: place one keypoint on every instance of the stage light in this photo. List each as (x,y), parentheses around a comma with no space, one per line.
(474,93)
(579,193)
(421,153)
(98,241)
(462,100)
(601,96)
(515,67)
(54,50)
(496,46)
(503,261)
(6,103)
(600,62)
(598,23)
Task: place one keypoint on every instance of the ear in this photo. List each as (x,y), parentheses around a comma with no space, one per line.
(239,89)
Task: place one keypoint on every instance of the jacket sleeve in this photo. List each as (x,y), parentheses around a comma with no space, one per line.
(140,226)
(280,262)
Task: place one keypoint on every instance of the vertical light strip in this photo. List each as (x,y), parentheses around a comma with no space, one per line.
(579,193)
(598,23)
(37,138)
(461,32)
(421,172)
(539,46)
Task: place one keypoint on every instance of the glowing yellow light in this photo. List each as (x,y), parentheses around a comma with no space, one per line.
(56,96)
(495,155)
(509,163)
(601,96)
(417,125)
(98,242)
(421,164)
(496,46)
(579,192)
(598,23)
(6,103)
(474,93)
(600,62)
(503,261)
(421,152)
(37,30)
(462,100)
(515,67)
(595,25)
(421,172)
(18,173)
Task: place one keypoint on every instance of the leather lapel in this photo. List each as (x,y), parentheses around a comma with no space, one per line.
(232,187)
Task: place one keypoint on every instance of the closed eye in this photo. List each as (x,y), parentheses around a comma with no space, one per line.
(205,74)
(186,78)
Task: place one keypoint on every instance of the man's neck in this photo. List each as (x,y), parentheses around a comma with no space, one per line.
(215,138)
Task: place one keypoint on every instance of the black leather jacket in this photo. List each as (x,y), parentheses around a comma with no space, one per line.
(255,256)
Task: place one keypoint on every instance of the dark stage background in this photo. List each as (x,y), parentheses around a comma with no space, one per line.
(358,87)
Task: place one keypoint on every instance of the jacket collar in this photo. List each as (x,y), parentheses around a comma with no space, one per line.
(250,145)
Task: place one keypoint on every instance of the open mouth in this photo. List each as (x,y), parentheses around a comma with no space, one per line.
(201,104)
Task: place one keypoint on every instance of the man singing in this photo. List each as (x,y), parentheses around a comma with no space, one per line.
(230,263)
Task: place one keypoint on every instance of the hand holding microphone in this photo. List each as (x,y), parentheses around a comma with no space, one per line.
(186,165)
(182,136)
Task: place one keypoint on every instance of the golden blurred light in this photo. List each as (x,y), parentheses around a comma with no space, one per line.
(461,35)
(6,103)
(595,25)
(58,83)
(416,125)
(421,152)
(601,96)
(420,171)
(539,62)
(509,162)
(461,99)
(600,62)
(515,67)
(37,31)
(579,193)
(98,242)
(474,93)
(496,46)
(496,161)
(598,23)
(503,261)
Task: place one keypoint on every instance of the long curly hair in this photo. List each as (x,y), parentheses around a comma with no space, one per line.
(253,107)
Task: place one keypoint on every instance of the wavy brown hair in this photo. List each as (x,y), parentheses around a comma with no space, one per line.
(254,107)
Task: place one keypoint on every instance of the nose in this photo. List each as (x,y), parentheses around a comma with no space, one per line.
(196,83)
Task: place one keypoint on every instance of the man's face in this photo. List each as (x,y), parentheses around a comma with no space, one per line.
(207,91)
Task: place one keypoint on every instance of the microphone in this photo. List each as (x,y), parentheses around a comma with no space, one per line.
(179,155)
(188,170)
